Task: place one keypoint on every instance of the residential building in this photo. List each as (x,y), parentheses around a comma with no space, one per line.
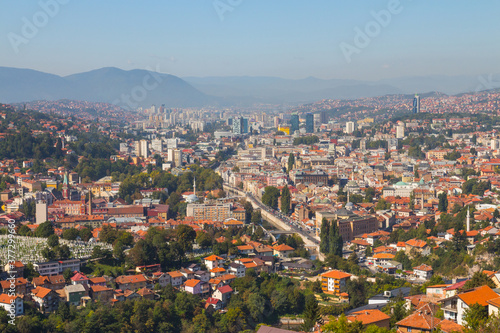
(74,293)
(455,307)
(423,271)
(334,282)
(12,302)
(223,293)
(370,317)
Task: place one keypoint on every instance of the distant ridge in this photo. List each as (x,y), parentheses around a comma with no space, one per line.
(134,88)
(129,89)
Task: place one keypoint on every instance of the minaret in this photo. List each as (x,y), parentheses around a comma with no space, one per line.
(468,219)
(348,192)
(194,186)
(422,203)
(65,191)
(90,202)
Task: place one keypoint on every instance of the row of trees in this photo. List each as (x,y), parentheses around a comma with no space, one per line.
(330,238)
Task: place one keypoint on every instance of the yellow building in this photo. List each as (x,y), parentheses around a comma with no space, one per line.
(284,129)
(334,282)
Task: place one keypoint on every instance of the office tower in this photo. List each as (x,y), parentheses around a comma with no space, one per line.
(294,123)
(323,118)
(349,127)
(416,104)
(244,125)
(309,123)
(238,125)
(400,132)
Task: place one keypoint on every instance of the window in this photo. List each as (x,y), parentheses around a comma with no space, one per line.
(409,329)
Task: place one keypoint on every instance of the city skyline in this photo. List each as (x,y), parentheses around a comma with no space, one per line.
(373,41)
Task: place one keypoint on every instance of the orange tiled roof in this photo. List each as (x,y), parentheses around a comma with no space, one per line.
(367,317)
(213,257)
(337,275)
(7,299)
(479,295)
(191,283)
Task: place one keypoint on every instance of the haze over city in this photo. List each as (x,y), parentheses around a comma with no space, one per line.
(292,39)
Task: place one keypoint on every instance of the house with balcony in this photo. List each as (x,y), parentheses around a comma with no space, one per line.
(455,307)
(45,299)
(213,261)
(334,282)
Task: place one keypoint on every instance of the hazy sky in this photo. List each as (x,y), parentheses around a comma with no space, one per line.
(287,38)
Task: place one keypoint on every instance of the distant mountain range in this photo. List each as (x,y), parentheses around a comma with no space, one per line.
(128,89)
(134,88)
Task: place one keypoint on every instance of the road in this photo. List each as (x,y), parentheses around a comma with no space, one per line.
(279,220)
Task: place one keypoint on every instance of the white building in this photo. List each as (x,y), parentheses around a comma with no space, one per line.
(12,304)
(349,127)
(400,132)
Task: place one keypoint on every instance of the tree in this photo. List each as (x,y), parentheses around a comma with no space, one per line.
(412,200)
(335,239)
(475,316)
(256,305)
(24,230)
(85,234)
(248,211)
(256,217)
(324,245)
(185,237)
(382,204)
(291,161)
(285,200)
(70,234)
(201,324)
(443,202)
(48,254)
(53,241)
(369,194)
(311,313)
(270,197)
(203,239)
(479,279)
(341,325)
(44,230)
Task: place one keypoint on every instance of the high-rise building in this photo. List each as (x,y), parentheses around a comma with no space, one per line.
(142,148)
(237,125)
(349,127)
(276,121)
(309,123)
(157,145)
(416,104)
(323,118)
(244,125)
(400,132)
(41,212)
(175,156)
(294,123)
